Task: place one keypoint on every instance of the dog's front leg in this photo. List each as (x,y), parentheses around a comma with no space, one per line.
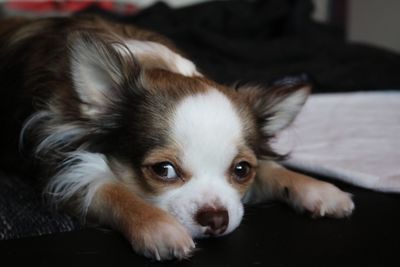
(301,192)
(151,231)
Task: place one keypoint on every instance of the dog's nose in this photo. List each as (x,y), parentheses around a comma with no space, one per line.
(216,220)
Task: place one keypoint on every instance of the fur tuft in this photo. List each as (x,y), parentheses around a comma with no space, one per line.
(52,135)
(81,175)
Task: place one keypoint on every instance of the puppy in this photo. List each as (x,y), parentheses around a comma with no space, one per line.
(123,130)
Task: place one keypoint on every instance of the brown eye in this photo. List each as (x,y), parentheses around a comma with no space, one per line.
(165,170)
(241,171)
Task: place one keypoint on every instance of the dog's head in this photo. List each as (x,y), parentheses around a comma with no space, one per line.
(182,142)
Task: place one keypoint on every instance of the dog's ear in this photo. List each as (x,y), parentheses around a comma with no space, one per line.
(99,70)
(276,107)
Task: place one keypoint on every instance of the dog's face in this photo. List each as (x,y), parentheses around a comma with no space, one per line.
(206,166)
(182,142)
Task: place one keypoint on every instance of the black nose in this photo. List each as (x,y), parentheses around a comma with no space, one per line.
(216,220)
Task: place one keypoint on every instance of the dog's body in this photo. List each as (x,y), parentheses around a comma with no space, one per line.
(127,132)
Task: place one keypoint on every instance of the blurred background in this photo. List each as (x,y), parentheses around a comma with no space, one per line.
(369,21)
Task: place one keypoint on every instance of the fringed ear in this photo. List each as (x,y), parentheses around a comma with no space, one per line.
(276,107)
(98,70)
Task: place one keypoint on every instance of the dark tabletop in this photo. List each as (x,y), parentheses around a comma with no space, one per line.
(271,234)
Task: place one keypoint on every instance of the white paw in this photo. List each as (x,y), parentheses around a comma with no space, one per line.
(323,199)
(163,240)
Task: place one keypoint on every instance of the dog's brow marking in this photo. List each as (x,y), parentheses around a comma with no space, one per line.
(209,130)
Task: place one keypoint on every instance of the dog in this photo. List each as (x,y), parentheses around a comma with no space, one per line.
(123,130)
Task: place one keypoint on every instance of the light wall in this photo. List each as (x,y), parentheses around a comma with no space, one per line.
(376,22)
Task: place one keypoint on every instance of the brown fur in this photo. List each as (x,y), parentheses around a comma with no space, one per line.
(300,191)
(146,226)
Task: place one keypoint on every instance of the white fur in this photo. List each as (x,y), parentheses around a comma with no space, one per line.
(82,174)
(91,82)
(54,136)
(323,199)
(175,61)
(31,123)
(285,111)
(208,131)
(58,137)
(166,240)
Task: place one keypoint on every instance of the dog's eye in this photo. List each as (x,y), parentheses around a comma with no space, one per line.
(165,170)
(241,171)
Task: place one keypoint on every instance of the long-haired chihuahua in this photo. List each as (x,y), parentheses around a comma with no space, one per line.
(125,131)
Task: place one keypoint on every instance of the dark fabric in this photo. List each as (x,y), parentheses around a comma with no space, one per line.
(261,41)
(24,213)
(247,41)
(269,235)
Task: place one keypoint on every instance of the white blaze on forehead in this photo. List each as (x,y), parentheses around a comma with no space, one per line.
(208,130)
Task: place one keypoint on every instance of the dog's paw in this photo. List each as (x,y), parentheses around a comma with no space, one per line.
(162,239)
(323,199)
